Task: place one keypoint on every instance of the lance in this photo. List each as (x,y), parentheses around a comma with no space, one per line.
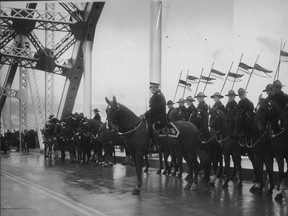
(177,87)
(198,82)
(251,74)
(185,84)
(226,77)
(237,71)
(276,76)
(208,78)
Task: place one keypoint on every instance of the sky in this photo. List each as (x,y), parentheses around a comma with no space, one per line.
(195,33)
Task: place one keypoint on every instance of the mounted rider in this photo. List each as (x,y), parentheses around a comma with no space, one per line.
(171,114)
(246,111)
(202,115)
(231,109)
(191,110)
(281,99)
(97,116)
(278,95)
(156,115)
(181,110)
(218,104)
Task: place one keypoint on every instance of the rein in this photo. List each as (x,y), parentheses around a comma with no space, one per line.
(275,135)
(253,145)
(131,131)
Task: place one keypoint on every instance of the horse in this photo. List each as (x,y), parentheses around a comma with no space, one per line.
(261,145)
(138,138)
(274,113)
(210,145)
(219,122)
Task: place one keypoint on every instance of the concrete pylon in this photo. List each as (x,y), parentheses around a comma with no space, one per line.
(155,41)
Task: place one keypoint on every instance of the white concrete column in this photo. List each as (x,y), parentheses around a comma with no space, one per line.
(87,73)
(155,41)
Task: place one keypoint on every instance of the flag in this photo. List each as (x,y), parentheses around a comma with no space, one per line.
(283,56)
(234,77)
(283,53)
(184,84)
(189,77)
(217,72)
(207,78)
(258,67)
(244,67)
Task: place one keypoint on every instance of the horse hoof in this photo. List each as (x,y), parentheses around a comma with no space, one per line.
(158,172)
(279,198)
(136,191)
(164,172)
(146,170)
(194,187)
(225,185)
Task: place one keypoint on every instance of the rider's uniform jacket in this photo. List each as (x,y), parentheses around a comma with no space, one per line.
(181,113)
(219,105)
(191,110)
(203,107)
(172,115)
(280,98)
(97,117)
(245,105)
(231,109)
(157,111)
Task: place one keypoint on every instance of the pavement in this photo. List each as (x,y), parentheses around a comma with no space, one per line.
(31,185)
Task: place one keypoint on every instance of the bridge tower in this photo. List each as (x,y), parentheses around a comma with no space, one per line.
(69,32)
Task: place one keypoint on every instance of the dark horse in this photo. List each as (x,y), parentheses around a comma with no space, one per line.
(261,145)
(273,113)
(228,143)
(138,140)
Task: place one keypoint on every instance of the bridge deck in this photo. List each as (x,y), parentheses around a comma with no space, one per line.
(31,185)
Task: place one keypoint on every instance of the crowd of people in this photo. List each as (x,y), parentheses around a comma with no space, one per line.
(11,140)
(190,112)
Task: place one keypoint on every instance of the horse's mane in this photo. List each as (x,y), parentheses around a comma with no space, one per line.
(126,110)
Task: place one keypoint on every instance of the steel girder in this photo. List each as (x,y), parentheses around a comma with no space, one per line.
(91,16)
(59,21)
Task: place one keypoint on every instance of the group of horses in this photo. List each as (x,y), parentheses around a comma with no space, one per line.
(266,139)
(80,137)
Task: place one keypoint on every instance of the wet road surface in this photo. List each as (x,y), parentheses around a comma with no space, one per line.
(31,185)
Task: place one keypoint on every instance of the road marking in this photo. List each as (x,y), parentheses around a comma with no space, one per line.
(81,208)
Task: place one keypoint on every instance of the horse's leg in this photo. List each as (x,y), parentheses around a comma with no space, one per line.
(269,166)
(189,177)
(237,165)
(167,166)
(194,167)
(180,164)
(227,169)
(160,162)
(138,167)
(280,162)
(146,162)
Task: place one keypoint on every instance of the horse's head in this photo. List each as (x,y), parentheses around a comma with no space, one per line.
(113,112)
(263,115)
(218,119)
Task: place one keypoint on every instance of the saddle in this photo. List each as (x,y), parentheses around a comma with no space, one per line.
(171,130)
